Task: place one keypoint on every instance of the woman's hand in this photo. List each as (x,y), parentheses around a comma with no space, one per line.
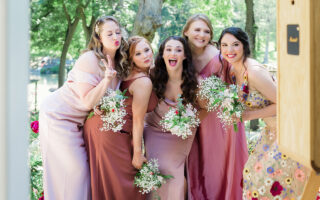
(109,73)
(138,159)
(97,111)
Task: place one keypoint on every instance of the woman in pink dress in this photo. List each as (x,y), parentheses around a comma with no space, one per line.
(217,156)
(268,174)
(62,114)
(115,156)
(173,76)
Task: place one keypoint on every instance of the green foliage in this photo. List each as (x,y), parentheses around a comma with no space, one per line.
(52,70)
(35,162)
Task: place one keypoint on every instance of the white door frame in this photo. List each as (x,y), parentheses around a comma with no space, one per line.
(14,67)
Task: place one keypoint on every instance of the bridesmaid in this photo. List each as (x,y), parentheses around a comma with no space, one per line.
(115,156)
(268,174)
(62,114)
(217,157)
(174,75)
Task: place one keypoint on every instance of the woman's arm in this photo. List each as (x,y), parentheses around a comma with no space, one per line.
(89,94)
(141,90)
(260,79)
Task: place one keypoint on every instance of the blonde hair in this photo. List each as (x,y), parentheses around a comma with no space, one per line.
(133,42)
(203,18)
(95,45)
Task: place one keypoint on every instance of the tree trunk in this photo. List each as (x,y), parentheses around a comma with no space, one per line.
(87,29)
(72,25)
(251,27)
(266,52)
(148,18)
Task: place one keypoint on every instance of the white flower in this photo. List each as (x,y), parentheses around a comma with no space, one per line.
(277,198)
(181,120)
(262,190)
(149,178)
(113,108)
(283,163)
(268,181)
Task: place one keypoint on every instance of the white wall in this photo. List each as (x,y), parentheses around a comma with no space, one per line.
(14,62)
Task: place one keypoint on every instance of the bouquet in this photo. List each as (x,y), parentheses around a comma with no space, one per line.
(212,89)
(113,108)
(180,120)
(231,108)
(149,178)
(222,98)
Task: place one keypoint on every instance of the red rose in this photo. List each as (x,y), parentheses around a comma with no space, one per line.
(177,112)
(112,110)
(276,188)
(42,197)
(254,198)
(35,126)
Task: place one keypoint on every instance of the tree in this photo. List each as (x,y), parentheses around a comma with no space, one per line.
(148,18)
(251,27)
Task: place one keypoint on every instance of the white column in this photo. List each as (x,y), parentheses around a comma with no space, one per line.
(2,100)
(14,60)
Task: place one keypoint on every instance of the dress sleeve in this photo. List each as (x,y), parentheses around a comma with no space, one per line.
(79,76)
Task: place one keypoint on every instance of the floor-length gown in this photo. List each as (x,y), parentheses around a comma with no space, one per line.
(270,174)
(110,155)
(170,150)
(217,157)
(65,164)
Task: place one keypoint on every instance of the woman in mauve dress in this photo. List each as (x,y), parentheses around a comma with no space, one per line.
(217,157)
(173,75)
(115,156)
(62,114)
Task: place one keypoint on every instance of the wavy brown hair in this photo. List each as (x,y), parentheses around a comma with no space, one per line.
(203,18)
(95,45)
(160,76)
(133,42)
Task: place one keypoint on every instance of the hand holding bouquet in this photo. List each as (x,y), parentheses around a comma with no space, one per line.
(222,98)
(149,178)
(113,110)
(180,120)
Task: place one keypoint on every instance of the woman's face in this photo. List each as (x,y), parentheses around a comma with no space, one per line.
(231,48)
(110,35)
(198,34)
(173,55)
(143,55)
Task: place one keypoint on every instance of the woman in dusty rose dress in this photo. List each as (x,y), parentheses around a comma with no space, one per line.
(115,156)
(269,174)
(62,114)
(217,157)
(173,75)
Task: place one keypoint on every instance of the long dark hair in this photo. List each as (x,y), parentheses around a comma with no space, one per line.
(160,76)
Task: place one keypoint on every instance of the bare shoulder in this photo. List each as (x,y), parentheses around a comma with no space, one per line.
(211,50)
(145,82)
(257,73)
(87,62)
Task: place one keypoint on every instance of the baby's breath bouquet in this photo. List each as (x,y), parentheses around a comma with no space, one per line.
(212,90)
(180,120)
(222,98)
(231,107)
(149,177)
(113,108)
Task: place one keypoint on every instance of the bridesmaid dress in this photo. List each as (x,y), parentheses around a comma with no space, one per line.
(65,166)
(110,155)
(269,174)
(170,150)
(217,157)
